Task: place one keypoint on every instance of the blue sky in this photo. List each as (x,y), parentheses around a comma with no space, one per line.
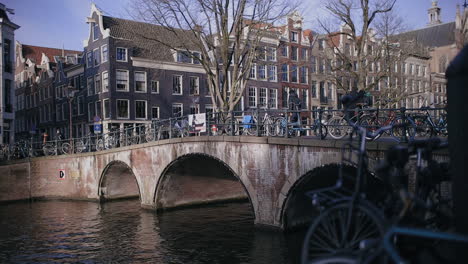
(57,23)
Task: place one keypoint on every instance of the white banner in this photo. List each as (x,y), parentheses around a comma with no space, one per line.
(197,122)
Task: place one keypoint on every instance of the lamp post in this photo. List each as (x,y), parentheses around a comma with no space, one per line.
(70,94)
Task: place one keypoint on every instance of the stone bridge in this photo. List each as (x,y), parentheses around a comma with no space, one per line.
(272,173)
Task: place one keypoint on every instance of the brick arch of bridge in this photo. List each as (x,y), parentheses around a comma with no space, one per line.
(118,181)
(198,178)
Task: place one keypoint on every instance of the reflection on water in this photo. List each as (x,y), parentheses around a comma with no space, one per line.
(122,232)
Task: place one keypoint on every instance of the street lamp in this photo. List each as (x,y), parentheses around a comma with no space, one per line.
(71,91)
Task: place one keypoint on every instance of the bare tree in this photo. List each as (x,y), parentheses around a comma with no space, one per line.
(227,33)
(365,53)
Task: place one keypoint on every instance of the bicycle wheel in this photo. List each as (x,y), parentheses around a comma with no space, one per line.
(336,232)
(66,148)
(79,147)
(337,127)
(280,126)
(371,124)
(403,129)
(321,132)
(48,149)
(269,126)
(423,127)
(228,126)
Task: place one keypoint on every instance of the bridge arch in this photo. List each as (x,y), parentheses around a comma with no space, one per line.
(199,178)
(118,181)
(297,209)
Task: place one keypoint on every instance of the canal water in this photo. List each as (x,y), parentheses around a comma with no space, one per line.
(122,232)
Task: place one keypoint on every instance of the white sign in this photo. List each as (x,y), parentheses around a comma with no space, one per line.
(62,174)
(197,123)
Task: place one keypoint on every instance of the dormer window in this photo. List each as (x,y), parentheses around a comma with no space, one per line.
(95,31)
(121,54)
(294,37)
(186,57)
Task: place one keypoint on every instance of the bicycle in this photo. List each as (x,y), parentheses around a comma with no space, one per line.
(348,209)
(427,126)
(266,125)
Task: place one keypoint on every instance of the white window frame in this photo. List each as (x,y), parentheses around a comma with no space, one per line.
(135,82)
(253,70)
(294,33)
(181,109)
(104,109)
(100,83)
(198,84)
(87,63)
(90,88)
(105,88)
(94,26)
(102,53)
(117,108)
(126,54)
(128,80)
(153,107)
(255,96)
(95,57)
(275,73)
(146,110)
(264,70)
(181,84)
(96,108)
(157,86)
(275,98)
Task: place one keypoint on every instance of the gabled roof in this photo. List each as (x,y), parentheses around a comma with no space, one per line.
(34,53)
(433,36)
(149,40)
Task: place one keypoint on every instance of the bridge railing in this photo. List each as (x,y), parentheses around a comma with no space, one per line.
(319,123)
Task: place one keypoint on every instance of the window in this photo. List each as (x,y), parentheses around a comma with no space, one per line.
(90,86)
(304,53)
(294,73)
(188,57)
(417,70)
(91,109)
(320,44)
(253,71)
(314,89)
(97,56)
(7,54)
(154,112)
(262,99)
(411,69)
(261,72)
(194,85)
(424,71)
(105,53)
(272,73)
(271,54)
(154,87)
(194,109)
(89,61)
(284,50)
(80,105)
(285,73)
(123,109)
(321,65)
(273,98)
(98,109)
(294,37)
(294,51)
(252,97)
(106,108)
(177,84)
(140,82)
(97,83)
(121,54)
(314,64)
(403,68)
(121,78)
(304,98)
(105,81)
(95,31)
(177,110)
(303,74)
(140,109)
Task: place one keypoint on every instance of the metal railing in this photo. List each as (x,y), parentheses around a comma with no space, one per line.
(321,123)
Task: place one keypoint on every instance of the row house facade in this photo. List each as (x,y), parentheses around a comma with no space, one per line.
(7,71)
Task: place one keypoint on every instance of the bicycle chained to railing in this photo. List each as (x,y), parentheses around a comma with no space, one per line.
(353,225)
